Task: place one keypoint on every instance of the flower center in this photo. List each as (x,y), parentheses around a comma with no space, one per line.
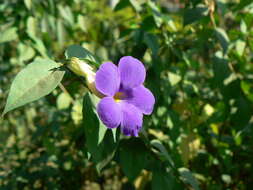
(119,96)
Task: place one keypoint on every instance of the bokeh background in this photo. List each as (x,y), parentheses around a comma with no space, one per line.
(198,55)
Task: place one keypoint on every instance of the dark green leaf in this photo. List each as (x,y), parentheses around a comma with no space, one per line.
(162,180)
(223,38)
(99,141)
(80,52)
(188,177)
(133,157)
(194,14)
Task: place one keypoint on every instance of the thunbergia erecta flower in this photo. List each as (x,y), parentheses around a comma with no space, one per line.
(126,99)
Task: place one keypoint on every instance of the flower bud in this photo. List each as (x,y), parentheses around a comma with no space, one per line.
(83,69)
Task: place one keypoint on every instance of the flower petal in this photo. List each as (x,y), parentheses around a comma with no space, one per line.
(131,119)
(132,72)
(107,79)
(142,98)
(109,112)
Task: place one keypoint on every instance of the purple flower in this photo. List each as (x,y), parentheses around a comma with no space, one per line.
(126,99)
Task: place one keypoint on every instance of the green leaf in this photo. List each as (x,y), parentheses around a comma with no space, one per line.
(152,42)
(188,177)
(136,5)
(158,17)
(133,157)
(243,27)
(162,180)
(31,26)
(39,46)
(66,14)
(194,14)
(163,153)
(63,101)
(36,80)
(174,78)
(121,4)
(80,52)
(247,88)
(99,140)
(60,32)
(220,68)
(25,52)
(240,46)
(223,38)
(8,35)
(28,4)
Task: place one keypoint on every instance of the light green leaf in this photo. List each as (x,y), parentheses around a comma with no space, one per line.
(31,26)
(66,14)
(25,52)
(8,35)
(243,27)
(174,78)
(60,32)
(28,4)
(63,101)
(36,80)
(240,46)
(136,5)
(39,46)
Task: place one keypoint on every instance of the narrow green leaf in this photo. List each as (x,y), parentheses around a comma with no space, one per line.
(28,4)
(163,153)
(31,26)
(158,17)
(188,177)
(36,80)
(99,141)
(243,27)
(66,14)
(60,32)
(152,42)
(223,38)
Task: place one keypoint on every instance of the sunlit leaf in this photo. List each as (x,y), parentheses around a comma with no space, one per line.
(8,35)
(36,80)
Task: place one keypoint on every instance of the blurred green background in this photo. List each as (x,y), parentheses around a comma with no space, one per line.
(198,55)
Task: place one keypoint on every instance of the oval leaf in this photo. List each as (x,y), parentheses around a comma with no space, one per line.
(35,81)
